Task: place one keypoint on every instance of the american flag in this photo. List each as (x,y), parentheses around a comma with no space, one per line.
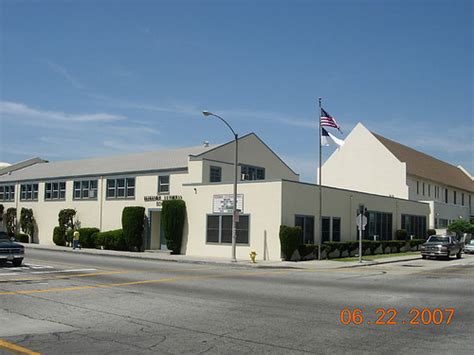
(328,121)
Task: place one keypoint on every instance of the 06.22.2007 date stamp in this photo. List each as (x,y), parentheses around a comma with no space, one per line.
(391,316)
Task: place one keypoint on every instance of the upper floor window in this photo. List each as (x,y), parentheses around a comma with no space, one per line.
(55,190)
(462,199)
(85,189)
(445,195)
(7,193)
(215,174)
(429,190)
(163,184)
(29,192)
(423,189)
(454,197)
(417,187)
(121,188)
(252,173)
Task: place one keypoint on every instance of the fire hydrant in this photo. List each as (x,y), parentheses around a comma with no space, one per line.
(253,255)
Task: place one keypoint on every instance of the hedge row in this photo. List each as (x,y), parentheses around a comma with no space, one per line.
(110,240)
(309,251)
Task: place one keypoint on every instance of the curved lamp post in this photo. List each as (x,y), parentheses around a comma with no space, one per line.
(234,205)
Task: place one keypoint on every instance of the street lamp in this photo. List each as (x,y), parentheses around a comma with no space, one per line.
(234,205)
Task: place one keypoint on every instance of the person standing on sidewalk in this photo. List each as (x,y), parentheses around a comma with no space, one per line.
(75,240)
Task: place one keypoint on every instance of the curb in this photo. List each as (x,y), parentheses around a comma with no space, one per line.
(143,256)
(371,263)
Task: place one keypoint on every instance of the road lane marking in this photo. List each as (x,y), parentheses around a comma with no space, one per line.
(133,283)
(16,348)
(61,271)
(64,276)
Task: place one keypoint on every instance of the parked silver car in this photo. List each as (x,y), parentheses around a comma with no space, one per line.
(469,247)
(441,245)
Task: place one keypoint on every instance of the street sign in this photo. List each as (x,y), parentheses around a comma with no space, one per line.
(362,222)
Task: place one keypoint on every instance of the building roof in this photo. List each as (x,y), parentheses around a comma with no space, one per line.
(111,165)
(428,167)
(20,165)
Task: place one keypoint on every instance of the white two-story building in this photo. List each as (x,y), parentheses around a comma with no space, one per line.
(371,163)
(269,195)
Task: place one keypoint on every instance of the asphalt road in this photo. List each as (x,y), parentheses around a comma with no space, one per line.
(62,303)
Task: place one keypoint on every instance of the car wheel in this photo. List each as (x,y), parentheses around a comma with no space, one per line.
(423,256)
(17,262)
(458,255)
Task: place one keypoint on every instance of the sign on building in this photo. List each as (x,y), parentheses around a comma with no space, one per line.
(224,203)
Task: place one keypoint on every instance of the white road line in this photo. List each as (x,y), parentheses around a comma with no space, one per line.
(10,274)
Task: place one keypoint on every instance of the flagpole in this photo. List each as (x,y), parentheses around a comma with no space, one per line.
(320,186)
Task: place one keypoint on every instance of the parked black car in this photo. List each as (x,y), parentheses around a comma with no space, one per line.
(441,245)
(10,251)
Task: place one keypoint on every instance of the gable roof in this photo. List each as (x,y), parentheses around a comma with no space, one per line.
(426,166)
(20,165)
(111,165)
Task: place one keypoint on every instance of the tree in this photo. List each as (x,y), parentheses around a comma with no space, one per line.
(460,226)
(66,218)
(10,221)
(27,222)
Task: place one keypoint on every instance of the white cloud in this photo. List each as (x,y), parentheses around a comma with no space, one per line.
(65,74)
(19,110)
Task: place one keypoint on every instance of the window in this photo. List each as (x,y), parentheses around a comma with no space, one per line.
(429,190)
(378,224)
(325,229)
(120,188)
(29,192)
(85,190)
(215,174)
(416,225)
(7,193)
(336,229)
(163,184)
(55,190)
(462,199)
(219,229)
(454,197)
(252,173)
(306,223)
(446,195)
(423,189)
(417,187)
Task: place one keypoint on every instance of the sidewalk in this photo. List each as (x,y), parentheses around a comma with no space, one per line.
(165,256)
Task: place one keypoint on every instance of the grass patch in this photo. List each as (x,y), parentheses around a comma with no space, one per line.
(378,256)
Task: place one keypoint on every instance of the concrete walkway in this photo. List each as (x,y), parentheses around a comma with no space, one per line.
(165,256)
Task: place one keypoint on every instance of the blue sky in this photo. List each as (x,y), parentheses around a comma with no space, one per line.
(91,78)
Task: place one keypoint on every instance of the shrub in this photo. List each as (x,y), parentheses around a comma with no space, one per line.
(416,242)
(59,235)
(22,238)
(110,240)
(307,249)
(66,218)
(430,232)
(10,221)
(2,208)
(173,215)
(290,239)
(86,239)
(401,234)
(133,226)
(27,221)
(371,245)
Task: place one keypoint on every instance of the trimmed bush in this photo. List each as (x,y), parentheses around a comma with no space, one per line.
(308,250)
(27,221)
(10,221)
(110,240)
(430,232)
(59,235)
(22,238)
(173,215)
(416,242)
(133,219)
(401,234)
(290,239)
(86,239)
(2,208)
